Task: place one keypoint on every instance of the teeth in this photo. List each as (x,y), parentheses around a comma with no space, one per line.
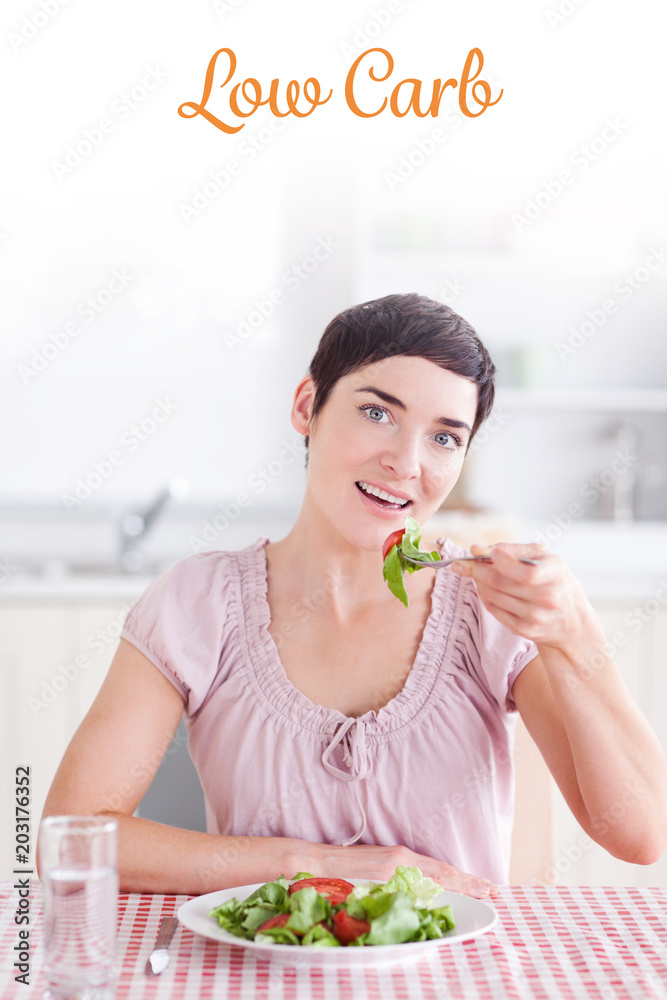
(382,494)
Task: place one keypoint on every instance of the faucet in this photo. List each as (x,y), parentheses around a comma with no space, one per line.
(134,526)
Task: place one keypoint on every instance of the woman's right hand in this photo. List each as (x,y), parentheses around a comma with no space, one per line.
(369,861)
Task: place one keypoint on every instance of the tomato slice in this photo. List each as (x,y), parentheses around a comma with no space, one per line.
(347,929)
(392,540)
(336,890)
(278,921)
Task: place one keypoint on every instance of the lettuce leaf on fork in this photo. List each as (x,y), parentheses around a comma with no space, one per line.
(395,566)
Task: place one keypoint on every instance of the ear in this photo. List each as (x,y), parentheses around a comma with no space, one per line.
(302,406)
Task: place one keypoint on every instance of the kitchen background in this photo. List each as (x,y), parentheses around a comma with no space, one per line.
(160,306)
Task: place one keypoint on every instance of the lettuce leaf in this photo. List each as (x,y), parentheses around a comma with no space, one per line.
(230,916)
(412,882)
(397,920)
(243,918)
(279,935)
(275,893)
(258,915)
(434,923)
(308,908)
(395,566)
(319,937)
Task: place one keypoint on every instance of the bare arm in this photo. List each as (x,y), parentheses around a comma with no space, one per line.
(602,752)
(111,762)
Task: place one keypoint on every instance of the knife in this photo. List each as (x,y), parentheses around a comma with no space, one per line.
(158,960)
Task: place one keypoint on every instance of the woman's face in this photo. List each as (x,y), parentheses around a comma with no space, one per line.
(400,425)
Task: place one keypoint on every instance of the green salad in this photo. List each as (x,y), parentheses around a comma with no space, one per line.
(333,913)
(400,543)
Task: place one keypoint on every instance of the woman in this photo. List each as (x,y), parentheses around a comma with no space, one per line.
(334,730)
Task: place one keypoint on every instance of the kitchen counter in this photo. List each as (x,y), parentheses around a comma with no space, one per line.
(612,560)
(73,588)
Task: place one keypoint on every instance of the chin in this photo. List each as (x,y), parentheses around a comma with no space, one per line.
(373,540)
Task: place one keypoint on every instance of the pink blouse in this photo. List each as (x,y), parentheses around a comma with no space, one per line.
(431,770)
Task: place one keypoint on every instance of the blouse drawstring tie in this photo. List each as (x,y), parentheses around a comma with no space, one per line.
(352,734)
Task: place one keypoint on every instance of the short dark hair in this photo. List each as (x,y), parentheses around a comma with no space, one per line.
(411,325)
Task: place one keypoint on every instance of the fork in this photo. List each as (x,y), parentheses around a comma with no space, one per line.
(443,563)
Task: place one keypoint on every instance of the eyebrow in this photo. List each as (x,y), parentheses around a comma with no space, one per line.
(393,401)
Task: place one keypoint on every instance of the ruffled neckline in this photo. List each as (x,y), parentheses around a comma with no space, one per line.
(280,695)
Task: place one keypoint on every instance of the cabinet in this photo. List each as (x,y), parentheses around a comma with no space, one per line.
(55,656)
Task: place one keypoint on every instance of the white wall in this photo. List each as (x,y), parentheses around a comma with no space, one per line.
(327,178)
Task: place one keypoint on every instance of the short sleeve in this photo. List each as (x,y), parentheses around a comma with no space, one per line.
(180,623)
(503,655)
(489,652)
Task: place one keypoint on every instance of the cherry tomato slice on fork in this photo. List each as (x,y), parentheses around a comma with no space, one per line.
(391,540)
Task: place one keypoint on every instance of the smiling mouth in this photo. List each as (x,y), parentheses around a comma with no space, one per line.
(392,504)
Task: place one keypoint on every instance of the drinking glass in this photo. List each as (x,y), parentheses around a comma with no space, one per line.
(79,875)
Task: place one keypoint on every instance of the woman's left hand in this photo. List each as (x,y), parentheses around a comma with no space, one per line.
(545,602)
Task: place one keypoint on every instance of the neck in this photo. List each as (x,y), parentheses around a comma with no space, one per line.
(314,561)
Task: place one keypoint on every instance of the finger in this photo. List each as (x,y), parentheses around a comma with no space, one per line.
(465,568)
(506,565)
(522,605)
(509,559)
(521,550)
(516,624)
(526,602)
(480,550)
(469,885)
(518,550)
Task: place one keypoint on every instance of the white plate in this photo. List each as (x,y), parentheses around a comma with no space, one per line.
(472,917)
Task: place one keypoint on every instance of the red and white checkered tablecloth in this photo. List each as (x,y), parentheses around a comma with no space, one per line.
(549,942)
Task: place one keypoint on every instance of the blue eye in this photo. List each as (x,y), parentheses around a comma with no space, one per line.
(447,440)
(374,413)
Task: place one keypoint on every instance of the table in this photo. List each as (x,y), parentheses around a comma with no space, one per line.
(551,941)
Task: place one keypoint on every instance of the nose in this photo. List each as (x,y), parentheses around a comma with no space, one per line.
(402,459)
